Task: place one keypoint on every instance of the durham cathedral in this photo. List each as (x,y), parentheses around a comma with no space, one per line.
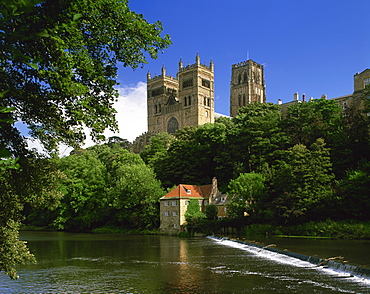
(188,98)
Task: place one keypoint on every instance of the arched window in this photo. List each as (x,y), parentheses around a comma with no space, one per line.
(172,125)
(239,100)
(239,78)
(245,77)
(244,103)
(155,108)
(189,100)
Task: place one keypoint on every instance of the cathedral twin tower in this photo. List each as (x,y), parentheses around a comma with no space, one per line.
(188,99)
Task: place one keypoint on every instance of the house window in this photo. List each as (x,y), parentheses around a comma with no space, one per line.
(174,213)
(166,213)
(366,82)
(167,203)
(187,191)
(175,226)
(187,202)
(174,203)
(222,199)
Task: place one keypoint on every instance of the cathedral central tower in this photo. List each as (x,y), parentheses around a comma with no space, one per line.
(247,85)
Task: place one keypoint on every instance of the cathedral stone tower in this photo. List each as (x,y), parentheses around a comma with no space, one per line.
(187,100)
(247,85)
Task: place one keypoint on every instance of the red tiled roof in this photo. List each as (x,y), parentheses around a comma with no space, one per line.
(189,191)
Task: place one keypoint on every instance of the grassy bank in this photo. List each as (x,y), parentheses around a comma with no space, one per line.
(100,230)
(327,229)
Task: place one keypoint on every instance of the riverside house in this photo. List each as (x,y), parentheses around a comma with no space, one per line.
(174,204)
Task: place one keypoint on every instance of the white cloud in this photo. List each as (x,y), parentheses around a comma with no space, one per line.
(131,117)
(131,113)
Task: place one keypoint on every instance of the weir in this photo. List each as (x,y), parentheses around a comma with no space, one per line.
(317,262)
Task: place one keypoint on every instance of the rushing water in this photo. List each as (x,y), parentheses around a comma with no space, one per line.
(90,263)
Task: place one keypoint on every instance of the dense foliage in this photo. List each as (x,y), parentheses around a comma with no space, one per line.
(313,164)
(58,67)
(103,186)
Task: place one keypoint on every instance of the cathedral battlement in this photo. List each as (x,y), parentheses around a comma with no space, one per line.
(159,77)
(190,66)
(243,63)
(188,99)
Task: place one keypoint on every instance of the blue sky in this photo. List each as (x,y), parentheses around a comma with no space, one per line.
(312,47)
(307,46)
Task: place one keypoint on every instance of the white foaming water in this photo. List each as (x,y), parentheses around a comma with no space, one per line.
(288,260)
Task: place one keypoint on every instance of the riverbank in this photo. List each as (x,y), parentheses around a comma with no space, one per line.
(350,230)
(347,230)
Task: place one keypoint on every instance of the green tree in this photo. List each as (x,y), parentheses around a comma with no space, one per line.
(303,182)
(135,197)
(257,137)
(194,216)
(84,192)
(319,118)
(194,157)
(33,184)
(71,54)
(108,186)
(157,148)
(354,193)
(246,195)
(58,66)
(122,143)
(211,211)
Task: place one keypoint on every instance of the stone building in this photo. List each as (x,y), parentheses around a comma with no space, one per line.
(247,85)
(188,98)
(184,100)
(353,101)
(174,204)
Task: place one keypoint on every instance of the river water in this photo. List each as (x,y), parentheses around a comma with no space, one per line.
(93,263)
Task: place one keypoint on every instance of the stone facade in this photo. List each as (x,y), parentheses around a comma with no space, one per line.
(174,204)
(187,100)
(360,80)
(350,101)
(247,85)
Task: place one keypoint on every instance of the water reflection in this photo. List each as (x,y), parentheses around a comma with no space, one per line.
(88,263)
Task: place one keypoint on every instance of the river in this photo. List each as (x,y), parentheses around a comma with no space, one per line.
(109,263)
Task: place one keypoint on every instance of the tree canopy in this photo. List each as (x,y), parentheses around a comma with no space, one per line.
(58,68)
(59,62)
